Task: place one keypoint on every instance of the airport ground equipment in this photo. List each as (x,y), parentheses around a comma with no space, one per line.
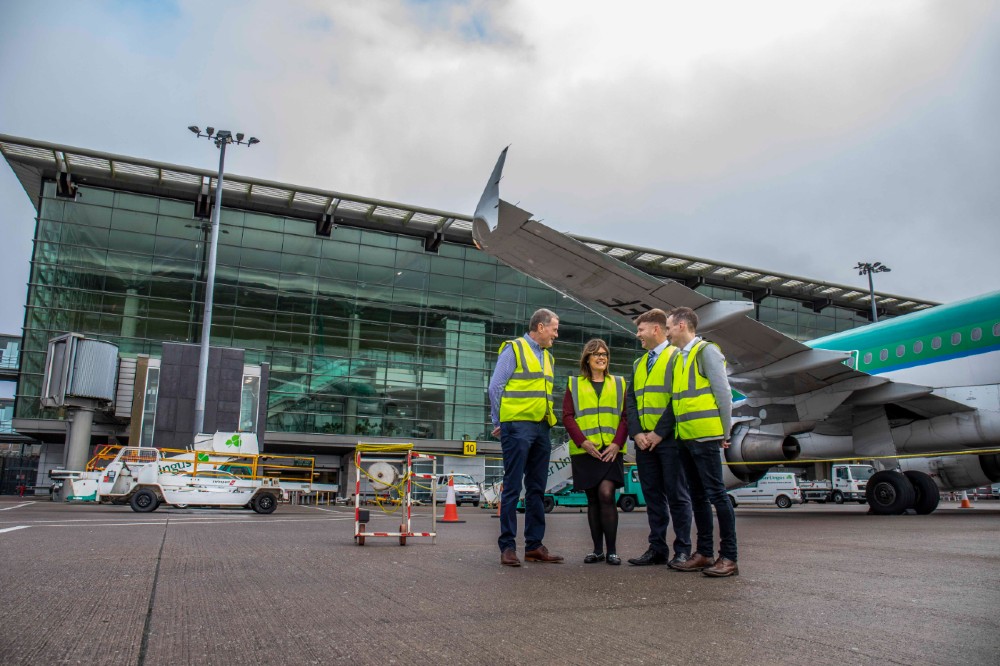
(627,498)
(779,488)
(849,484)
(387,471)
(144,478)
(560,476)
(231,473)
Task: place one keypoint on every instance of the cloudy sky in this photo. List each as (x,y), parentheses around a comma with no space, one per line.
(798,137)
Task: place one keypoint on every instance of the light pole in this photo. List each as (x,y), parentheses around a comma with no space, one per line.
(222,138)
(865,268)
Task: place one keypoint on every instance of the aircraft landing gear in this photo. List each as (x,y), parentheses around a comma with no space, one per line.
(925,490)
(891,493)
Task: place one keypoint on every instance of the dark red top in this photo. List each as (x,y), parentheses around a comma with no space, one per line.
(569,422)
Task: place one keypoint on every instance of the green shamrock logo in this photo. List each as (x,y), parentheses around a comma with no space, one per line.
(233,441)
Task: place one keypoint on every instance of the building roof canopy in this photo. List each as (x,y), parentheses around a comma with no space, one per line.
(35,161)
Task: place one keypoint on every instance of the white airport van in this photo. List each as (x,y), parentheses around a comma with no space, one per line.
(780,488)
(466,489)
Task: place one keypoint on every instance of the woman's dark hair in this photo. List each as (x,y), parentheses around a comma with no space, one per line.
(589,349)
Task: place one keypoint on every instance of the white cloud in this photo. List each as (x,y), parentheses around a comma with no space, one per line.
(741,124)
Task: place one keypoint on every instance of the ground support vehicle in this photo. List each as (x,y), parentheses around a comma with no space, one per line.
(627,498)
(467,489)
(849,484)
(144,479)
(560,476)
(778,488)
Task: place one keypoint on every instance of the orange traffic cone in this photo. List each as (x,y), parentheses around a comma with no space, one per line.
(450,507)
(966,504)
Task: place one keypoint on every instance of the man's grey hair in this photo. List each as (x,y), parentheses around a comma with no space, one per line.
(542,317)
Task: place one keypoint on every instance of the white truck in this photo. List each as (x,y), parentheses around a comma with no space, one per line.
(848,485)
(136,476)
(231,474)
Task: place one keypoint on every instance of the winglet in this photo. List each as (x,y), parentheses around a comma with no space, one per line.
(485,218)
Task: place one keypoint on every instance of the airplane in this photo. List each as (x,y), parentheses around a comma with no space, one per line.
(924,383)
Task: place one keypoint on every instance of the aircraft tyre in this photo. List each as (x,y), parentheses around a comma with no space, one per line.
(889,493)
(783,502)
(926,493)
(838,497)
(265,503)
(626,503)
(144,501)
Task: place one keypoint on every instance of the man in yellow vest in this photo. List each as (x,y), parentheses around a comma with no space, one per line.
(651,426)
(522,411)
(702,404)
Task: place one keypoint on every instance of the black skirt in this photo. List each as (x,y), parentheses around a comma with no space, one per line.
(588,471)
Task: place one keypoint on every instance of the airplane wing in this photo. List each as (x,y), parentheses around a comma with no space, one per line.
(764,364)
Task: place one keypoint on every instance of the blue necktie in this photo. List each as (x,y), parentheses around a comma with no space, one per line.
(650,360)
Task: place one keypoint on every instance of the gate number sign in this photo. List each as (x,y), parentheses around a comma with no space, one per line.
(468,448)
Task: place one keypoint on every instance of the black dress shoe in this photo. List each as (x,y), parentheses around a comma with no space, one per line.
(679,558)
(614,559)
(593,557)
(647,558)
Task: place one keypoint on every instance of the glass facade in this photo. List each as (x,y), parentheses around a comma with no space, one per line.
(6,417)
(9,350)
(366,333)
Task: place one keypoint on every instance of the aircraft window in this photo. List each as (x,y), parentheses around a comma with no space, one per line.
(868,358)
(850,362)
(936,342)
(976,334)
(900,350)
(883,355)
(996,330)
(918,347)
(956,338)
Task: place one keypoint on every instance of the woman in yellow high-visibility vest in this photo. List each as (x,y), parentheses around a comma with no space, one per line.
(594,417)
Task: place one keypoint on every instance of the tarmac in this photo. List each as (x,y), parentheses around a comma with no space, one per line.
(819,584)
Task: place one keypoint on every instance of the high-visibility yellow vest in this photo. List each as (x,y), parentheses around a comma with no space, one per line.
(652,390)
(597,416)
(528,394)
(695,407)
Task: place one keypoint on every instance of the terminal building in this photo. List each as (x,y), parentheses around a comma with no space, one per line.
(357,319)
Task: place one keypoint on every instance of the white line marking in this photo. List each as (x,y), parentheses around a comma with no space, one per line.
(340,511)
(196,521)
(11,529)
(16,506)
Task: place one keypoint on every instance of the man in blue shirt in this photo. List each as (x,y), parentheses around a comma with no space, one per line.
(522,413)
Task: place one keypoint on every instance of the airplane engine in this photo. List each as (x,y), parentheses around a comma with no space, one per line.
(749,445)
(957,472)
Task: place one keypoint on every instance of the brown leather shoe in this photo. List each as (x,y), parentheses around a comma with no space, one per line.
(541,554)
(696,562)
(508,558)
(722,568)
